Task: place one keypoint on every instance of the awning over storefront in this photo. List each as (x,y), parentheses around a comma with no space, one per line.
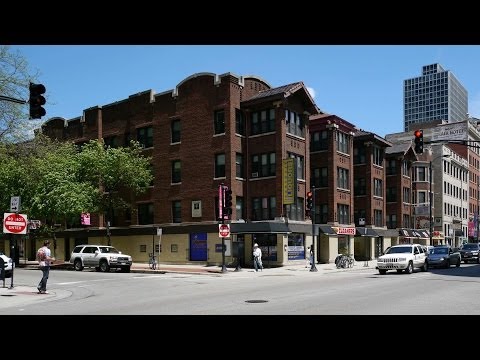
(364,231)
(414,233)
(387,232)
(263,227)
(326,229)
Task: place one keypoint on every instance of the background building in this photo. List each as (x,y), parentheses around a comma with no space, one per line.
(435,95)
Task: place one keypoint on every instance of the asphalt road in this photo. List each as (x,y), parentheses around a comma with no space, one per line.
(453,291)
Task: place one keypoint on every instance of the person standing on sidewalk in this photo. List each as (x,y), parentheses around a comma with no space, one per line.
(44,258)
(257,258)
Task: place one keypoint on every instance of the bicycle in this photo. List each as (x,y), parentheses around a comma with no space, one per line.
(152,262)
(344,261)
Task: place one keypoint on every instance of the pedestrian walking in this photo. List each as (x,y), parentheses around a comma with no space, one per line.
(44,259)
(257,258)
(308,257)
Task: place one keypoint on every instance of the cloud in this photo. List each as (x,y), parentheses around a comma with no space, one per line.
(474,106)
(312,92)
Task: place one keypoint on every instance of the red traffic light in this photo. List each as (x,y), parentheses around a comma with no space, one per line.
(418,133)
(309,194)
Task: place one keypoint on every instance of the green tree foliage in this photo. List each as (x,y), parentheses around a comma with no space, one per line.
(15,78)
(57,182)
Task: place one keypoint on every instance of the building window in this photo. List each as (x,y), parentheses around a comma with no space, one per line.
(263,121)
(239,165)
(378,217)
(405,168)
(145,214)
(377,187)
(176,171)
(299,165)
(359,186)
(219,122)
(391,167)
(343,141)
(220,165)
(176,131)
(320,177)
(343,214)
(406,221)
(359,156)
(391,194)
(392,221)
(127,138)
(264,208)
(296,211)
(239,122)
(342,178)
(323,214)
(145,136)
(377,156)
(177,211)
(406,195)
(239,207)
(359,214)
(318,141)
(263,165)
(420,174)
(110,141)
(295,123)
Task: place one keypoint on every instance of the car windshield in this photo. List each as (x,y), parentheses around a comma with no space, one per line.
(111,250)
(439,251)
(470,247)
(399,250)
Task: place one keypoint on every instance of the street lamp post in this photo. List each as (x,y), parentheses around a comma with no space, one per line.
(430,195)
(312,214)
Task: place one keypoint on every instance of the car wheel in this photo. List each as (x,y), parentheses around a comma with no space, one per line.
(409,268)
(78,265)
(458,263)
(104,266)
(425,266)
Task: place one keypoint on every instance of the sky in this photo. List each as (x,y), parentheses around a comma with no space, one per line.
(362,84)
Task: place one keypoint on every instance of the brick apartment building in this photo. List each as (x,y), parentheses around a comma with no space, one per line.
(210,130)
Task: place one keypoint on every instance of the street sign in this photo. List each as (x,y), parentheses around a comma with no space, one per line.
(15,203)
(15,223)
(224,230)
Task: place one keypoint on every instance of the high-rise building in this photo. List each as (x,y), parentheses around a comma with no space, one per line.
(436,95)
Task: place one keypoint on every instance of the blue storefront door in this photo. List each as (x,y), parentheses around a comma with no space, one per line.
(198,247)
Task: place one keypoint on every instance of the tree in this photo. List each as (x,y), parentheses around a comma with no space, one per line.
(15,78)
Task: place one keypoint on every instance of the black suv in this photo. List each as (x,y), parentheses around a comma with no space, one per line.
(469,252)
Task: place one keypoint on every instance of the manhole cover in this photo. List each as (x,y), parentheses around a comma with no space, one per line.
(256,301)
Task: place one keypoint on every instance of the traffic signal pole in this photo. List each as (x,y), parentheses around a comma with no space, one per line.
(312,212)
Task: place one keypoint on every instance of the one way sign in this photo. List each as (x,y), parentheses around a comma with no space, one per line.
(15,204)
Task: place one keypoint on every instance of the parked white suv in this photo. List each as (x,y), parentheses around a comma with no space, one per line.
(8,264)
(101,257)
(403,257)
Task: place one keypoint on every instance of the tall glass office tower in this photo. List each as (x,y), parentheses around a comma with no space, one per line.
(436,95)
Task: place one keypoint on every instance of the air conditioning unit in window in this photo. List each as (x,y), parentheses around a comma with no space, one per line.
(255,174)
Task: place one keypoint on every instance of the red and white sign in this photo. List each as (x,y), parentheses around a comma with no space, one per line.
(15,223)
(346,231)
(224,230)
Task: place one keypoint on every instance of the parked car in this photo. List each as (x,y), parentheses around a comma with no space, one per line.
(443,256)
(403,257)
(101,257)
(469,252)
(9,264)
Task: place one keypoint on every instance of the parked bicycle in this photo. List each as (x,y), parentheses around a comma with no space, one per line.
(152,262)
(343,261)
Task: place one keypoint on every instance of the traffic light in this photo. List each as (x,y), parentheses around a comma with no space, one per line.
(36,100)
(419,141)
(309,205)
(228,202)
